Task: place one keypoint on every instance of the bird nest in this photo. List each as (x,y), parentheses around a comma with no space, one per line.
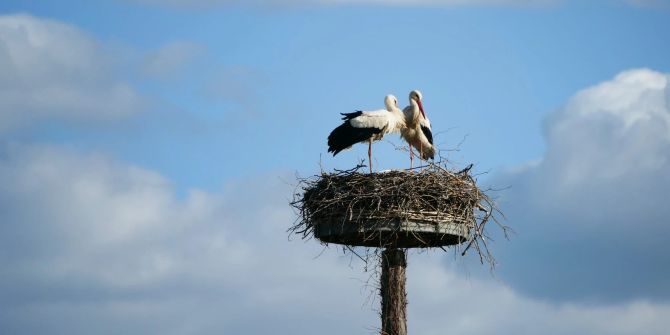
(433,207)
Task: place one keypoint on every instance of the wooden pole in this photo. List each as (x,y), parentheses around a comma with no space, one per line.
(394,298)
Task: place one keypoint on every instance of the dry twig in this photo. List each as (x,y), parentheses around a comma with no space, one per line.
(430,196)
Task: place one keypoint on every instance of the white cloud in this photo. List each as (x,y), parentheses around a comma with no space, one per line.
(442,301)
(51,70)
(87,233)
(595,206)
(615,128)
(90,244)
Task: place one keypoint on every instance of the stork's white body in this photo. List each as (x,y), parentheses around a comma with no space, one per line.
(417,131)
(390,120)
(367,126)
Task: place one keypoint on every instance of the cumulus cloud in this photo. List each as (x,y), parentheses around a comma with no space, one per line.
(443,301)
(52,70)
(91,244)
(88,235)
(592,214)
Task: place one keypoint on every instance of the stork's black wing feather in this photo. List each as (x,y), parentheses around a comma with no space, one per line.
(429,134)
(346,135)
(349,116)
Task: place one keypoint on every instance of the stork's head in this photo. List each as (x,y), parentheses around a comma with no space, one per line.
(418,98)
(416,95)
(391,102)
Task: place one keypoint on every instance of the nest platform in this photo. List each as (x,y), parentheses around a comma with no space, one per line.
(433,207)
(395,233)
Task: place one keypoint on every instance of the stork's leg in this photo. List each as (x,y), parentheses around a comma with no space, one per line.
(411,157)
(421,152)
(370,154)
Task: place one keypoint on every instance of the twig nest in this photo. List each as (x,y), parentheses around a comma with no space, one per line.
(433,207)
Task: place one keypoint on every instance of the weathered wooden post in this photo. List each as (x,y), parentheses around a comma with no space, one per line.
(393,211)
(392,292)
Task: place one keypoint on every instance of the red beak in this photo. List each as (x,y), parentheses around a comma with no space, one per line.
(421,108)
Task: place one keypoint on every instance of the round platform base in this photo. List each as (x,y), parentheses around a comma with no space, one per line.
(391,233)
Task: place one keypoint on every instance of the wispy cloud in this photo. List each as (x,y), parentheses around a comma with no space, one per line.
(205,4)
(665,4)
(52,70)
(237,85)
(171,59)
(439,2)
(201,4)
(54,73)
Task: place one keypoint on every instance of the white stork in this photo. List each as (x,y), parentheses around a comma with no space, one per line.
(417,131)
(361,126)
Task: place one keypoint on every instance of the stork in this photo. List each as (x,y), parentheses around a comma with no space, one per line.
(367,126)
(417,131)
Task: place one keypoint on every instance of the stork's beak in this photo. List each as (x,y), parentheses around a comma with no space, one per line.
(421,108)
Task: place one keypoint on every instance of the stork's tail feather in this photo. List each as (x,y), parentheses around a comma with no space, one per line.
(428,153)
(347,135)
(349,116)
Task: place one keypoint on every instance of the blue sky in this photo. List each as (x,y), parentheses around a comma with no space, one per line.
(145,147)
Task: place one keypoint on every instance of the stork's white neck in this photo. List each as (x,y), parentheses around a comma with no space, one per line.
(416,111)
